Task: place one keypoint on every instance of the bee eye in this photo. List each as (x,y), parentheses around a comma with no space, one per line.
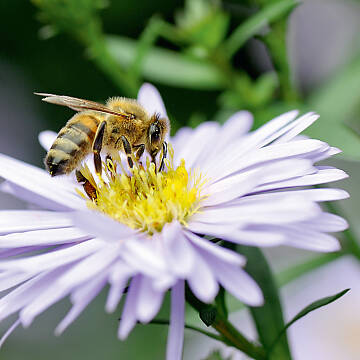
(154,133)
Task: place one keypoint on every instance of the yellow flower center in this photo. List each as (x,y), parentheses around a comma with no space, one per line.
(146,199)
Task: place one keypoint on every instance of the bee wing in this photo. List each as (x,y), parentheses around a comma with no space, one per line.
(81,104)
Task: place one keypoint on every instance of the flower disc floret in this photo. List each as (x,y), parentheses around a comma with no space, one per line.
(145,199)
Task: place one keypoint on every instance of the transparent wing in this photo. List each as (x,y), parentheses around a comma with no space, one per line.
(81,104)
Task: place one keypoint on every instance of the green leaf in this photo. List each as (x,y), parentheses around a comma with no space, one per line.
(313,306)
(208,315)
(336,101)
(268,318)
(254,24)
(166,66)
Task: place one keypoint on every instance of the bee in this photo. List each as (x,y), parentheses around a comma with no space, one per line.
(120,125)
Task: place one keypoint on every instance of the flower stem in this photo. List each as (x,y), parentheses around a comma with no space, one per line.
(229,334)
(234,338)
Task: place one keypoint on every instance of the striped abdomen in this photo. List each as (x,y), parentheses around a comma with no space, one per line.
(72,144)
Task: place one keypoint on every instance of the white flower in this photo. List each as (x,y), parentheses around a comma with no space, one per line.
(241,187)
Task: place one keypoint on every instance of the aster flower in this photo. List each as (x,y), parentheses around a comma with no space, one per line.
(145,231)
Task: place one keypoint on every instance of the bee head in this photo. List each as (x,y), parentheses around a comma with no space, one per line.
(158,129)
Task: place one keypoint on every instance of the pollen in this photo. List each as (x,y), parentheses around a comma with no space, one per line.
(145,199)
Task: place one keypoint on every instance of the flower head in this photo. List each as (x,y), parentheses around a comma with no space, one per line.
(145,230)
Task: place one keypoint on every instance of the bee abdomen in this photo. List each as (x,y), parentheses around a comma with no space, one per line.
(72,144)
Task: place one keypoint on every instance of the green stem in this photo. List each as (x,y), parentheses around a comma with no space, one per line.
(229,334)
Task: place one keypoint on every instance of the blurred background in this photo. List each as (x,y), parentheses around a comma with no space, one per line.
(208,59)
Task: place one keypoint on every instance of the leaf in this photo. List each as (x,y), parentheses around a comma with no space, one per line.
(313,306)
(166,66)
(336,102)
(268,318)
(208,315)
(254,24)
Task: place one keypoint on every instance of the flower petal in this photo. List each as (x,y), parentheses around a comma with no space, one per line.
(179,253)
(235,280)
(88,293)
(224,254)
(149,300)
(202,281)
(53,259)
(321,177)
(39,182)
(26,220)
(177,323)
(150,98)
(47,138)
(128,318)
(44,237)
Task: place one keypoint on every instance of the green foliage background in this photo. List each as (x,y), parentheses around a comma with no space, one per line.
(199,55)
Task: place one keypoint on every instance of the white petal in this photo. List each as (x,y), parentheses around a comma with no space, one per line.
(235,280)
(181,137)
(317,195)
(101,226)
(321,177)
(236,126)
(272,127)
(218,251)
(179,253)
(142,257)
(195,144)
(43,297)
(31,197)
(9,279)
(288,209)
(91,266)
(291,130)
(128,317)
(326,222)
(232,234)
(39,182)
(202,281)
(53,259)
(297,127)
(269,154)
(149,301)
(9,332)
(26,220)
(305,238)
(177,316)
(88,293)
(47,138)
(43,237)
(150,98)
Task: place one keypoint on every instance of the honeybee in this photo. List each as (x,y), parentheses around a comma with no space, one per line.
(120,125)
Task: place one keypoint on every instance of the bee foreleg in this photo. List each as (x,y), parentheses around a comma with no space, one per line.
(127,149)
(139,151)
(97,146)
(164,154)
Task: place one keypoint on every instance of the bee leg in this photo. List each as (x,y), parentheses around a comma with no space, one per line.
(127,149)
(164,154)
(89,189)
(140,150)
(97,146)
